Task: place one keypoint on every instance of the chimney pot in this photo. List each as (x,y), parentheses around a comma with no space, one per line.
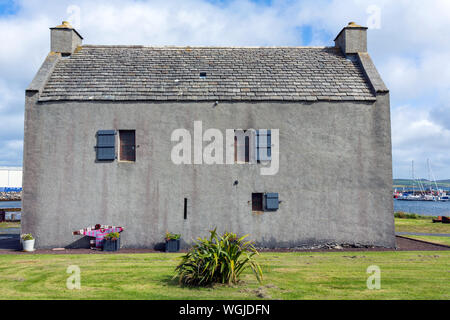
(64,39)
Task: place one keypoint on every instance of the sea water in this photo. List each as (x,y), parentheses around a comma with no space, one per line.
(426,208)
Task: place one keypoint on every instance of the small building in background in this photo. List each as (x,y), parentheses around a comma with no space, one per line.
(10,179)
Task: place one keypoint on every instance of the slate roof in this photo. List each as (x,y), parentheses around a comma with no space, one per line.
(232,74)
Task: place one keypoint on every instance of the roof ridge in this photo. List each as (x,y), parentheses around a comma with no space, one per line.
(204,47)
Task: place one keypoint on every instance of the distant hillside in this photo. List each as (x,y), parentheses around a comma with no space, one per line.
(425,182)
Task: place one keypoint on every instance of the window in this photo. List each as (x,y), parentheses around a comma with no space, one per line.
(263,145)
(106,145)
(265,202)
(127,145)
(185,208)
(245,149)
(251,146)
(242,146)
(257,202)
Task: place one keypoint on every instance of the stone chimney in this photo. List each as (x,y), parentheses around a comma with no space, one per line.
(64,39)
(352,39)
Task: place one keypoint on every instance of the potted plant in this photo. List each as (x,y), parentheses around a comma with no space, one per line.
(111,242)
(27,242)
(172,242)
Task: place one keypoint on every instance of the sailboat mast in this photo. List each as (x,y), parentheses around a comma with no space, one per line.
(429,176)
(434,179)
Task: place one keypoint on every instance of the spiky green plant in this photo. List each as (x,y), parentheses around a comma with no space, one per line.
(218,259)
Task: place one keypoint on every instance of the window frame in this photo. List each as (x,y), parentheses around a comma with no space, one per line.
(119,146)
(263,199)
(249,135)
(267,155)
(260,207)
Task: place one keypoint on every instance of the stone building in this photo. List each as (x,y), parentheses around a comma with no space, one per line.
(99,143)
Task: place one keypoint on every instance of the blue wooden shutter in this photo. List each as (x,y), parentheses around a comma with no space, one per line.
(106,145)
(271,201)
(263,145)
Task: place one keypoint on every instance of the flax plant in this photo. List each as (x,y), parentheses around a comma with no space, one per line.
(218,259)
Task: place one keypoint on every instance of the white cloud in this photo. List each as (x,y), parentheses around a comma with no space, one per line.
(417,136)
(412,78)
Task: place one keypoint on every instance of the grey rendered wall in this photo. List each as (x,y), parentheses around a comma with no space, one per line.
(334,180)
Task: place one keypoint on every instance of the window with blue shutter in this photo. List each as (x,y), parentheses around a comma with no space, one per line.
(106,145)
(271,201)
(263,145)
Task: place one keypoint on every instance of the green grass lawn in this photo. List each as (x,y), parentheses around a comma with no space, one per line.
(404,275)
(4,225)
(438,240)
(420,225)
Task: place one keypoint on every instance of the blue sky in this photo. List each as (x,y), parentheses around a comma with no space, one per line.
(408,41)
(8,7)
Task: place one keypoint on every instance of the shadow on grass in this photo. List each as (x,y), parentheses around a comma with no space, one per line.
(174,282)
(242,288)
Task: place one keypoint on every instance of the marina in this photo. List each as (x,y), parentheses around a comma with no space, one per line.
(435,196)
(10,196)
(422,190)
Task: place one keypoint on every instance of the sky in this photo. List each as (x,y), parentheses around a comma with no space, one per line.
(407,40)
